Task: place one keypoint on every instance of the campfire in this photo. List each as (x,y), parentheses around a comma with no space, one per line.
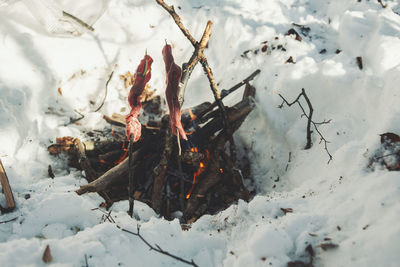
(179,164)
(211,182)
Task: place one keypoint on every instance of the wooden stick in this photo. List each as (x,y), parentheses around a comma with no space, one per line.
(177,19)
(80,151)
(81,22)
(197,55)
(116,119)
(116,174)
(161,169)
(5,184)
(203,59)
(131,177)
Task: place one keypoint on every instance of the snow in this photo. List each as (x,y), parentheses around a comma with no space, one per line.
(356,208)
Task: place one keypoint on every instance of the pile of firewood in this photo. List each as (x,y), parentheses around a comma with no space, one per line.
(211,181)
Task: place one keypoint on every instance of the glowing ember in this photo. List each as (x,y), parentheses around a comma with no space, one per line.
(194,149)
(124,155)
(221,170)
(125,149)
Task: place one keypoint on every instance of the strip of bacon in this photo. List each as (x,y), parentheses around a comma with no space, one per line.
(174,74)
(142,76)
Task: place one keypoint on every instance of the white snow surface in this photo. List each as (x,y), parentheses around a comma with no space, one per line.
(342,201)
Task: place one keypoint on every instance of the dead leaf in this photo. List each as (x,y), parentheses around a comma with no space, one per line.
(63,144)
(326,246)
(128,78)
(293,32)
(47,255)
(389,138)
(290,60)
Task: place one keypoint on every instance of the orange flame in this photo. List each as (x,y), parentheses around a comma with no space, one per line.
(200,170)
(192,116)
(194,149)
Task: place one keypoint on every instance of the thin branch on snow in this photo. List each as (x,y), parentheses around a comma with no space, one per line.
(157,247)
(81,22)
(105,93)
(7,221)
(309,120)
(388,155)
(86,261)
(106,216)
(73,120)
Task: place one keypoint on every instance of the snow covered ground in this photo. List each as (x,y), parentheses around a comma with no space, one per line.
(340,203)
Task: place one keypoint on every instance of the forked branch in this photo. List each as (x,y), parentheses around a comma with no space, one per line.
(195,58)
(309,120)
(203,59)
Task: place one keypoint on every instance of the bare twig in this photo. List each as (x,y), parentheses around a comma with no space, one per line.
(86,261)
(81,22)
(382,4)
(106,215)
(7,221)
(388,155)
(105,93)
(309,120)
(156,247)
(73,120)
